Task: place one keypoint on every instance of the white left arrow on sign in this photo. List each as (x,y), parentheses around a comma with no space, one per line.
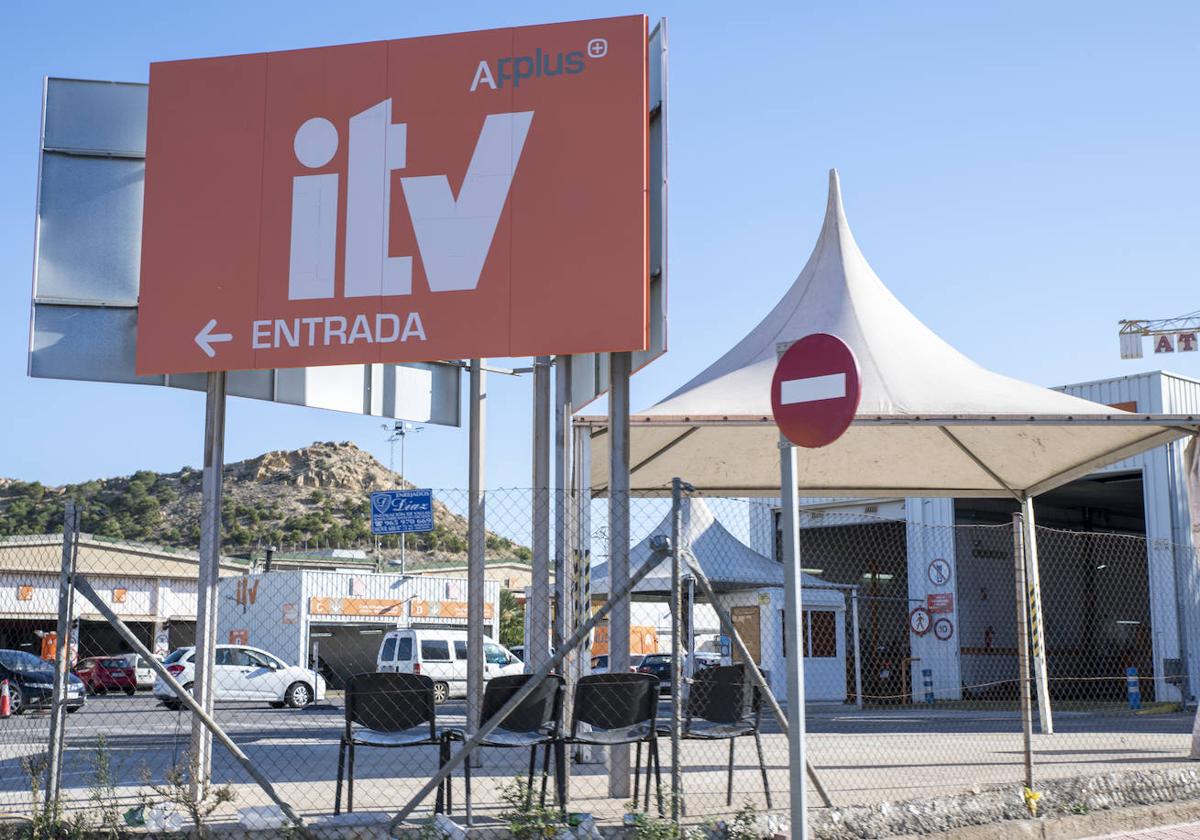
(206,338)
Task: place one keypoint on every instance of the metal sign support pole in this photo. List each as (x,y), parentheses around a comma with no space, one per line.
(1034,585)
(564,613)
(1023,648)
(210,570)
(620,367)
(568,613)
(789,499)
(62,656)
(476,536)
(537,649)
(676,647)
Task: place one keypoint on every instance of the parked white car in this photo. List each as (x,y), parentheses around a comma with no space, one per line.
(145,674)
(244,673)
(441,655)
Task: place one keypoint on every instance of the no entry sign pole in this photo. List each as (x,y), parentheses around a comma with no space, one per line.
(797,760)
(814,395)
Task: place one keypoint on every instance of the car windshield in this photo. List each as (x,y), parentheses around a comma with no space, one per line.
(22,662)
(115,663)
(656,659)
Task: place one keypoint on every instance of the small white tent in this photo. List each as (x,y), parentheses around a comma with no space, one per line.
(745,579)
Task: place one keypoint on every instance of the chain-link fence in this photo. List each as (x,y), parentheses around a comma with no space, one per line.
(343,672)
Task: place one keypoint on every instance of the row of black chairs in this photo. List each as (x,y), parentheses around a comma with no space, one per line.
(398,710)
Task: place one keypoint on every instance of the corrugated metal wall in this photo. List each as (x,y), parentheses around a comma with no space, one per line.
(1168,523)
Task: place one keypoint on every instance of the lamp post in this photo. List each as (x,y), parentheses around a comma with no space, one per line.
(398,432)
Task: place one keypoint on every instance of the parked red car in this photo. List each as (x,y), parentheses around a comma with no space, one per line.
(108,673)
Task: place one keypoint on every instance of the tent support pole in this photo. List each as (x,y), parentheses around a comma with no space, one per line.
(1110,457)
(538,643)
(1023,647)
(620,368)
(756,675)
(975,459)
(1037,623)
(789,498)
(663,449)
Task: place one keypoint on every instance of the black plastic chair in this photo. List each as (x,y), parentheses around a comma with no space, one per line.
(389,710)
(612,709)
(537,721)
(723,703)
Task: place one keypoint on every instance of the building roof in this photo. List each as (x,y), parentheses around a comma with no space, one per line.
(42,553)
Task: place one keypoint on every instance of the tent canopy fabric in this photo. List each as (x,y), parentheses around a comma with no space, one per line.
(930,421)
(729,564)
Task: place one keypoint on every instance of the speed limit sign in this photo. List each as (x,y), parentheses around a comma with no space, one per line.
(919,621)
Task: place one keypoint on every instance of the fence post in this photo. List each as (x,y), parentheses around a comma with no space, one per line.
(62,656)
(206,720)
(676,646)
(857,649)
(1023,647)
(581,467)
(756,674)
(1037,624)
(658,554)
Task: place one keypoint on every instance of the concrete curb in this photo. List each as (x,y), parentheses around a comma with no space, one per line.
(1069,808)
(1073,827)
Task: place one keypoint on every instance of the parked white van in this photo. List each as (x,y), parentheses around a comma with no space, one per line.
(441,655)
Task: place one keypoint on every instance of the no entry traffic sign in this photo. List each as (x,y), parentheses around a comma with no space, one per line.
(815,390)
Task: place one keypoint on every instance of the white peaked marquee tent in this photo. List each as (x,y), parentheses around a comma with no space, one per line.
(931,422)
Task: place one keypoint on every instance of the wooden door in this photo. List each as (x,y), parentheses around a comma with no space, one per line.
(746,621)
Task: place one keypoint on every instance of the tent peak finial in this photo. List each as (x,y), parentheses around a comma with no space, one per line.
(834,210)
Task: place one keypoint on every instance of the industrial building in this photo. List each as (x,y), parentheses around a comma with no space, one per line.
(1118,570)
(335,618)
(152,589)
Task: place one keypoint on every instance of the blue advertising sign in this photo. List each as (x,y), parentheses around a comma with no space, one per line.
(401,511)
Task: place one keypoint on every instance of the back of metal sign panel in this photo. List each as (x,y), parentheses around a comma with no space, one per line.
(589,371)
(87,259)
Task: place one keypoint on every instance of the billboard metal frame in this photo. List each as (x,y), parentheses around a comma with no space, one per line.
(81,330)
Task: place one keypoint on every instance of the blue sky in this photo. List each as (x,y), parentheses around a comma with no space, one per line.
(1022,175)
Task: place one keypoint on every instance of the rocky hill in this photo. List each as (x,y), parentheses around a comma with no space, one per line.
(315,497)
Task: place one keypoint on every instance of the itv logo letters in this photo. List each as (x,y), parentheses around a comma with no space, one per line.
(453,233)
(361,204)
